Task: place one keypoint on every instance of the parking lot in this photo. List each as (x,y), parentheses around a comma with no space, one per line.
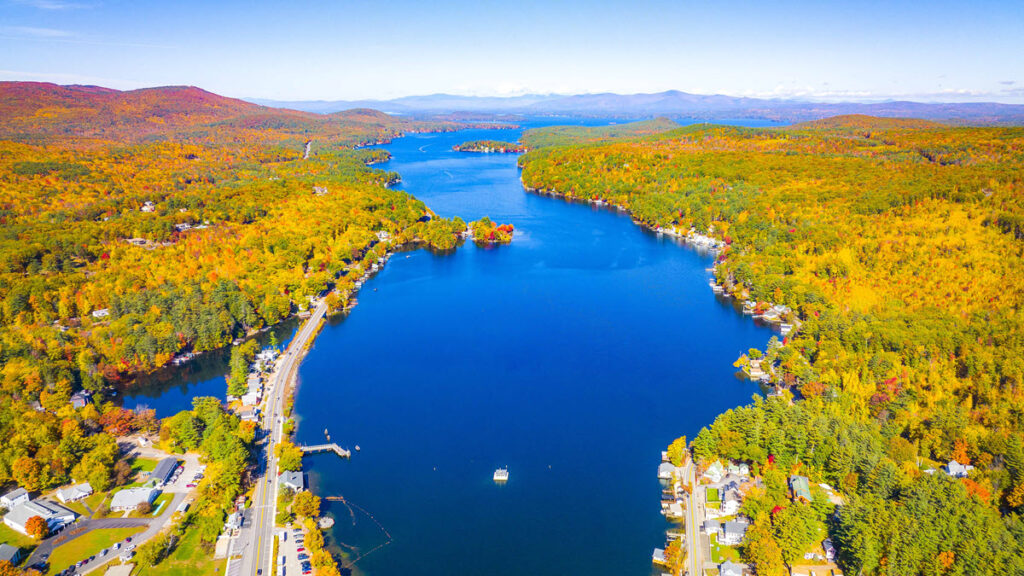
(296,557)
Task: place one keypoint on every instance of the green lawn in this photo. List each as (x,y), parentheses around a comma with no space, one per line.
(144,464)
(87,545)
(187,559)
(720,552)
(9,536)
(164,499)
(712,495)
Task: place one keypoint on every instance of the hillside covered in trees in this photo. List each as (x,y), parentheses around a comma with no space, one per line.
(135,226)
(899,247)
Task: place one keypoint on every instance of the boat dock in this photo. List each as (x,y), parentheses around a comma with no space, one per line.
(332,447)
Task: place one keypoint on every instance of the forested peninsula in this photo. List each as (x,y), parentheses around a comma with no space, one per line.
(893,248)
(490,146)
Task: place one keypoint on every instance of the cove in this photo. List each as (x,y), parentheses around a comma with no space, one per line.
(572,356)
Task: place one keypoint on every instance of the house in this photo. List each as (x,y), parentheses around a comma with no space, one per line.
(713,527)
(730,568)
(74,493)
(829,548)
(132,498)
(733,532)
(715,471)
(731,502)
(235,521)
(801,488)
(251,399)
(958,470)
(383,236)
(55,515)
(148,206)
(292,480)
(101,313)
(10,554)
(14,497)
(80,399)
(665,470)
(659,556)
(742,469)
(164,470)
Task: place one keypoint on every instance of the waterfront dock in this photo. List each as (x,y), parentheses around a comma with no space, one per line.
(332,447)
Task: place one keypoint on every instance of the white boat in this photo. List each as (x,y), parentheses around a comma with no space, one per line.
(501,475)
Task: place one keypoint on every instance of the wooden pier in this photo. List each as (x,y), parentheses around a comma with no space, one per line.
(332,447)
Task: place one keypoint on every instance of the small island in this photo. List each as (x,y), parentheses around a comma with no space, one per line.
(486,232)
(490,146)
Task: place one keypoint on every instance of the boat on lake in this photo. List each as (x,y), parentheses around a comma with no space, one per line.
(501,475)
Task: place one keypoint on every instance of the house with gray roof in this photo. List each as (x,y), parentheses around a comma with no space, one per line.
(132,498)
(10,554)
(55,515)
(712,527)
(733,532)
(730,568)
(14,497)
(164,470)
(293,480)
(74,493)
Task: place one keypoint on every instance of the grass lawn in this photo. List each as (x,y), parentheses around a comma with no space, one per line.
(188,559)
(164,499)
(143,464)
(9,536)
(87,545)
(712,495)
(720,552)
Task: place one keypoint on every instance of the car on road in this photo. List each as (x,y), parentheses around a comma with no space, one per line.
(301,549)
(128,539)
(115,546)
(190,485)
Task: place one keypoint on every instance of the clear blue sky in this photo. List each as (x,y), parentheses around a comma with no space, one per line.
(347,49)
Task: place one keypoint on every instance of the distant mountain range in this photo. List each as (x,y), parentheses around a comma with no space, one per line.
(673,104)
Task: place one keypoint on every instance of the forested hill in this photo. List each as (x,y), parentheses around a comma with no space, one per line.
(899,247)
(71,115)
(135,226)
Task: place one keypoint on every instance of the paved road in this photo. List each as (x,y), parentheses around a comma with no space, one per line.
(694,563)
(257,542)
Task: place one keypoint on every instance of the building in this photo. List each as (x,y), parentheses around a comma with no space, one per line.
(958,470)
(132,498)
(55,515)
(733,532)
(801,488)
(292,480)
(730,568)
(10,554)
(101,313)
(713,527)
(715,472)
(13,498)
(80,399)
(74,493)
(665,470)
(235,521)
(659,556)
(829,548)
(163,471)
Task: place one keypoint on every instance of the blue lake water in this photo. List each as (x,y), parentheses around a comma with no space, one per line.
(171,390)
(573,356)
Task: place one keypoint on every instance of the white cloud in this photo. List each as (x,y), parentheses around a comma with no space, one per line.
(36,32)
(49,4)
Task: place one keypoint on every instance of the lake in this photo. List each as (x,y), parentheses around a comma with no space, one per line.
(572,356)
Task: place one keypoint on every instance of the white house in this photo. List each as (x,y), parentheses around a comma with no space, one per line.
(74,493)
(958,470)
(13,498)
(733,532)
(131,498)
(101,313)
(55,515)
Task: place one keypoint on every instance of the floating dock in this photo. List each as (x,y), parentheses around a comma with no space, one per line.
(332,447)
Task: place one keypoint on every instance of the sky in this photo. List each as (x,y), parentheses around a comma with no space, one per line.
(360,49)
